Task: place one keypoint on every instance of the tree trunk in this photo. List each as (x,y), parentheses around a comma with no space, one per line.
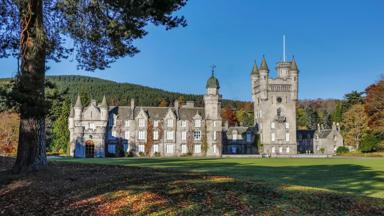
(31,155)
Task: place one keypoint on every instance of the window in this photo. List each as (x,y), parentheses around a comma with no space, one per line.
(184,135)
(287,137)
(92,126)
(170,135)
(196,135)
(141,122)
(197,149)
(156,148)
(249,137)
(169,148)
(112,148)
(214,135)
(234,134)
(156,123)
(214,148)
(141,135)
(170,122)
(272,125)
(273,149)
(184,149)
(114,133)
(155,135)
(141,148)
(286,125)
(197,123)
(273,137)
(183,123)
(126,135)
(126,123)
(287,150)
(281,149)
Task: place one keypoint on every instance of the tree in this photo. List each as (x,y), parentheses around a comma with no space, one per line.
(229,115)
(374,107)
(312,117)
(163,103)
(34,31)
(355,125)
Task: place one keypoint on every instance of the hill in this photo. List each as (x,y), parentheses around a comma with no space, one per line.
(119,93)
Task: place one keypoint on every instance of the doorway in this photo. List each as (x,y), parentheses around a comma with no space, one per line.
(89,149)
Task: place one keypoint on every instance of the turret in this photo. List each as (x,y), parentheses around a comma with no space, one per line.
(255,79)
(78,108)
(263,80)
(104,109)
(294,76)
(212,104)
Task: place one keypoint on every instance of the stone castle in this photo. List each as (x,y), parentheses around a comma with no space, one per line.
(99,130)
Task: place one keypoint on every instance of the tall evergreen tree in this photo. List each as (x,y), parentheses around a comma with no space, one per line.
(34,31)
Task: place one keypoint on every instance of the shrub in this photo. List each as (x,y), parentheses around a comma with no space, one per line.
(322,150)
(157,154)
(342,150)
(130,153)
(189,154)
(141,154)
(369,143)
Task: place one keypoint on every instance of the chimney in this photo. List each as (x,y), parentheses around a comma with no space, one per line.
(176,104)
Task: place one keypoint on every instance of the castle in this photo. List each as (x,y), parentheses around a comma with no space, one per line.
(99,130)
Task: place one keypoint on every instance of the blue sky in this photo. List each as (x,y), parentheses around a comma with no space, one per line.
(338,45)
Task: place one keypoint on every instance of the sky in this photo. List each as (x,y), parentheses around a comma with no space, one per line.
(338,46)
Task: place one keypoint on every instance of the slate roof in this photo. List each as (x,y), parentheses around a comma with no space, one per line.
(156,113)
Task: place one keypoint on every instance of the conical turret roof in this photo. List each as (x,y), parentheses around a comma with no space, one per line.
(264,65)
(294,65)
(255,70)
(71,113)
(78,102)
(104,103)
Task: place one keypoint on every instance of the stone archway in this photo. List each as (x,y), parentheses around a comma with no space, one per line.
(89,149)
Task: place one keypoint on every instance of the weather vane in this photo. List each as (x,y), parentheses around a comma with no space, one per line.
(213,67)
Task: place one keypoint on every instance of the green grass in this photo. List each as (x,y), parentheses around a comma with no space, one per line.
(353,175)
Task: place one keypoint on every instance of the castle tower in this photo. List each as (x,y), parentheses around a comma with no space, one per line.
(78,108)
(212,108)
(275,107)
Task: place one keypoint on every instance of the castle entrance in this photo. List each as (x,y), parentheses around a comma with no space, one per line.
(89,149)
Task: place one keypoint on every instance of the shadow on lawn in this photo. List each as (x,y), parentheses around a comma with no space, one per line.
(73,188)
(349,178)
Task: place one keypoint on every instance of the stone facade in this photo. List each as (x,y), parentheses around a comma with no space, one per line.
(275,106)
(326,141)
(101,130)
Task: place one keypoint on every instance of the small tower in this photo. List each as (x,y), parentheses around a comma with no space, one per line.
(211,99)
(263,80)
(78,108)
(293,72)
(212,117)
(104,109)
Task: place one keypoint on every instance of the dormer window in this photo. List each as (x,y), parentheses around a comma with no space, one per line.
(170,122)
(156,123)
(141,122)
(197,123)
(183,123)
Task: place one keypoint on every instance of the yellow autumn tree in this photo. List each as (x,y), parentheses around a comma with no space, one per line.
(355,125)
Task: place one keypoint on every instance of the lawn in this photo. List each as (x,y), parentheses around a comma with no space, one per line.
(131,186)
(353,175)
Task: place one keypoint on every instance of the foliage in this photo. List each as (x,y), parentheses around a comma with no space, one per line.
(342,150)
(149,144)
(229,115)
(204,140)
(322,150)
(141,154)
(374,107)
(355,125)
(157,154)
(9,128)
(369,143)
